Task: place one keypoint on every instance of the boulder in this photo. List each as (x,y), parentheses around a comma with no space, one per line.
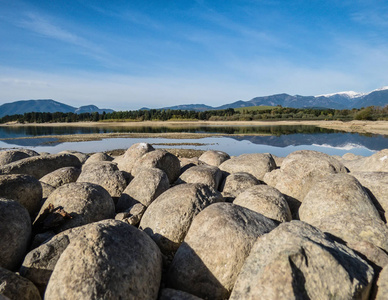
(376,184)
(159,159)
(236,183)
(206,174)
(214,158)
(298,261)
(38,166)
(97,157)
(300,170)
(187,163)
(171,294)
(144,188)
(132,215)
(382,284)
(126,161)
(256,164)
(24,189)
(377,162)
(336,193)
(265,200)
(215,248)
(9,156)
(61,176)
(118,261)
(15,286)
(15,228)
(105,174)
(168,218)
(46,190)
(82,157)
(351,156)
(80,202)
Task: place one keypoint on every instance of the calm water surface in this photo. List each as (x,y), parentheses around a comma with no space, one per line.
(278,140)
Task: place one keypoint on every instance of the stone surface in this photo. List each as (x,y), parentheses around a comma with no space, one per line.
(215,248)
(334,194)
(382,284)
(105,174)
(236,183)
(15,286)
(159,159)
(206,174)
(24,189)
(46,190)
(82,157)
(61,176)
(9,156)
(256,164)
(266,200)
(15,228)
(118,261)
(38,166)
(132,215)
(214,158)
(297,261)
(171,294)
(168,218)
(85,202)
(97,157)
(126,161)
(148,184)
(300,170)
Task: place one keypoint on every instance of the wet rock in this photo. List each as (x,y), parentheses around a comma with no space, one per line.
(98,157)
(334,194)
(83,202)
(126,161)
(297,261)
(132,215)
(159,159)
(144,188)
(24,189)
(171,294)
(236,183)
(168,218)
(256,164)
(206,174)
(118,261)
(105,174)
(15,228)
(14,286)
(61,176)
(215,248)
(265,200)
(214,158)
(38,166)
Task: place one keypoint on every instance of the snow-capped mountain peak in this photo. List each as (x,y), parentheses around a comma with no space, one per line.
(380,89)
(349,94)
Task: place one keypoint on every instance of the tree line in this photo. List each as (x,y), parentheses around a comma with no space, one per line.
(230,114)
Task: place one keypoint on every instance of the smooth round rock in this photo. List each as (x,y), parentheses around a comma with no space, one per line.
(15,228)
(61,176)
(265,200)
(169,217)
(236,183)
(214,158)
(98,157)
(15,286)
(126,161)
(82,157)
(9,156)
(215,248)
(206,174)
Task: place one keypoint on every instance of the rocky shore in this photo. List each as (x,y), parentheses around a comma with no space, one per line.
(148,224)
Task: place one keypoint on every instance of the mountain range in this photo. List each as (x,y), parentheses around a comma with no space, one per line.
(341,100)
(46,105)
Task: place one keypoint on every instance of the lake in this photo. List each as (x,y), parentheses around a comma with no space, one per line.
(279,140)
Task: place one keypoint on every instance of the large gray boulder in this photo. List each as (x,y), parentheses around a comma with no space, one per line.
(126,161)
(105,174)
(377,162)
(118,261)
(256,164)
(148,184)
(169,217)
(214,158)
(38,166)
(206,174)
(15,286)
(266,200)
(159,159)
(61,176)
(24,189)
(132,215)
(84,202)
(300,170)
(9,156)
(215,248)
(82,157)
(15,228)
(297,261)
(171,294)
(236,183)
(336,193)
(98,157)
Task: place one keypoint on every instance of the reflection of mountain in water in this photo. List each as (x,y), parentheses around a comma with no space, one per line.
(372,142)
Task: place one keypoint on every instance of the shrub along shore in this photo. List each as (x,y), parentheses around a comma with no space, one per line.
(147,224)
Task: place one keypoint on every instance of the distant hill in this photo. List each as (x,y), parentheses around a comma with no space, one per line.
(45,105)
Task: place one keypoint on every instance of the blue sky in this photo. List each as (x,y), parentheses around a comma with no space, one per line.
(132,54)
